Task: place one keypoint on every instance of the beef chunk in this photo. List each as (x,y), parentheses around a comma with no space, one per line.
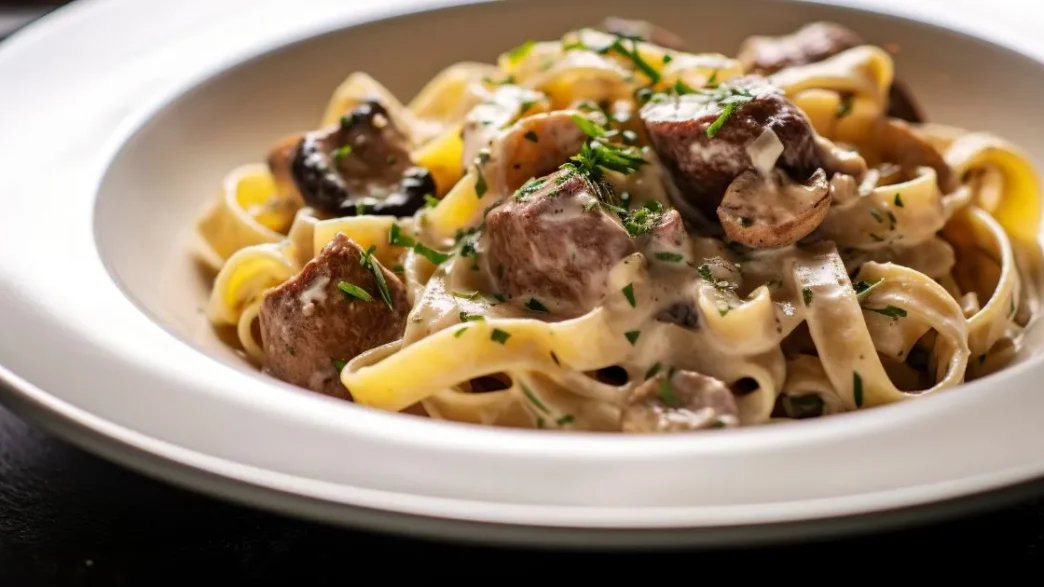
(361,165)
(680,401)
(703,160)
(553,243)
(309,325)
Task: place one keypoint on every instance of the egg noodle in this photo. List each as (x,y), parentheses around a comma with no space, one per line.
(916,274)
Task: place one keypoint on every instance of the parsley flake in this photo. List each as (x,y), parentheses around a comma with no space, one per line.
(339,364)
(466,296)
(499,336)
(532,137)
(536,306)
(668,257)
(436,257)
(460,331)
(667,394)
(632,336)
(806,293)
(354,291)
(480,183)
(397,239)
(628,292)
(375,269)
(519,53)
(533,398)
(899,200)
(890,311)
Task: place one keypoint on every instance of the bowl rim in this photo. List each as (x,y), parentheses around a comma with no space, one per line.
(465,440)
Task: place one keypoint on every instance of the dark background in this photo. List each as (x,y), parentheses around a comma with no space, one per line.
(68,518)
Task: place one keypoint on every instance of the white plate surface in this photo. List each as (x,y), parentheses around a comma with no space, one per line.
(88,347)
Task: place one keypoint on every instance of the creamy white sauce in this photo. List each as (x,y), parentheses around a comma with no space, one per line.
(316,291)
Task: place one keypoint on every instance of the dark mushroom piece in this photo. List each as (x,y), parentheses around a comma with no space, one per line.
(312,323)
(812,43)
(643,31)
(680,401)
(552,244)
(703,138)
(771,210)
(360,166)
(903,145)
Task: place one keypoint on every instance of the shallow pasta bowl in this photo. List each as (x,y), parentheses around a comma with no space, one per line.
(104,339)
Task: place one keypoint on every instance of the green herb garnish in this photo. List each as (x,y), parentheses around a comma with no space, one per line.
(532,137)
(667,394)
(460,331)
(890,311)
(499,336)
(863,288)
(354,291)
(536,306)
(339,364)
(519,53)
(844,108)
(436,257)
(343,152)
(898,200)
(632,336)
(375,269)
(806,293)
(669,257)
(533,398)
(397,239)
(628,292)
(466,296)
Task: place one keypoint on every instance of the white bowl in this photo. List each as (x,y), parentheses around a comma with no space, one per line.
(105,342)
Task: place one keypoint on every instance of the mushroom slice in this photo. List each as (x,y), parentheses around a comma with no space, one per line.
(764,211)
(361,165)
(643,31)
(901,144)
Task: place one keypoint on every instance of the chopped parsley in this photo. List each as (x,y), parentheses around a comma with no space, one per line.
(339,364)
(863,288)
(536,306)
(554,358)
(430,201)
(397,239)
(877,215)
(480,183)
(598,153)
(891,220)
(668,257)
(533,398)
(890,311)
(532,137)
(632,336)
(857,389)
(589,126)
(806,294)
(628,292)
(460,331)
(563,420)
(652,371)
(343,152)
(530,187)
(466,296)
(844,108)
(705,272)
(667,393)
(899,200)
(354,291)
(519,53)
(746,222)
(499,336)
(465,317)
(375,269)
(436,257)
(398,268)
(291,350)
(667,59)
(644,219)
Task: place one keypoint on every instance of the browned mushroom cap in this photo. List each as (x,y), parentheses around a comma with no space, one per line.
(643,31)
(811,43)
(682,401)
(903,145)
(361,165)
(771,210)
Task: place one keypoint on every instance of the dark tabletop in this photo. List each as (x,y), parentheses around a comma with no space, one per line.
(69,518)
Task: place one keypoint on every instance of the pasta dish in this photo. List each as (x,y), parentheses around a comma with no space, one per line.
(613,232)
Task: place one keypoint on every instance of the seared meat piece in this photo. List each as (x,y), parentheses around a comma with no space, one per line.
(811,43)
(680,401)
(361,165)
(309,324)
(704,156)
(553,244)
(643,31)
